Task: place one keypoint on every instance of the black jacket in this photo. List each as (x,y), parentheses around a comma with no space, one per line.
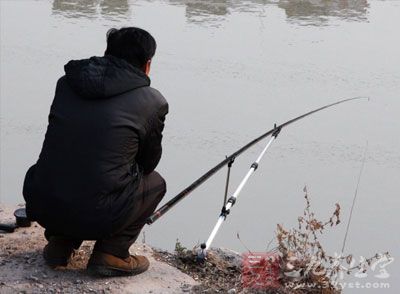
(105,124)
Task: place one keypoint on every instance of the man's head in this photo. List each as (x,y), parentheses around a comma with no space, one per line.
(134,45)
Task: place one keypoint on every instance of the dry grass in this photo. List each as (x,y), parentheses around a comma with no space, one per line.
(302,264)
(305,266)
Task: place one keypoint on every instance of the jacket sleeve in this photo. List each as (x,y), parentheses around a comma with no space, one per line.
(150,150)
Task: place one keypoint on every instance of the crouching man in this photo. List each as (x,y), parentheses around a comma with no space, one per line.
(95,178)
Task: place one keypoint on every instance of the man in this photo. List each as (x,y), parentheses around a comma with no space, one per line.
(95,178)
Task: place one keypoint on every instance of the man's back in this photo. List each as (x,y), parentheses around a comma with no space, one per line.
(104,123)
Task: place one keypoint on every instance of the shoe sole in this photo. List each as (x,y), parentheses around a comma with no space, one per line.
(107,271)
(55,262)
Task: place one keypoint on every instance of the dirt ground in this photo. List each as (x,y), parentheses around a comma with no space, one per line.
(22,268)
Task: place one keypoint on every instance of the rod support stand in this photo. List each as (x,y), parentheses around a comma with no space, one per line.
(225,212)
(232,200)
(231,161)
(276,131)
(202,253)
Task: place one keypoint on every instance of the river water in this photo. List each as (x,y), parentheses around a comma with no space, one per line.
(230,70)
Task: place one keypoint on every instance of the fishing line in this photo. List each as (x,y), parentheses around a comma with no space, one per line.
(355,196)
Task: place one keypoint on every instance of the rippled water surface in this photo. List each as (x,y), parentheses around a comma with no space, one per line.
(230,70)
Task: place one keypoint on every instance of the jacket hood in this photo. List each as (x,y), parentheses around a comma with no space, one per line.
(102,77)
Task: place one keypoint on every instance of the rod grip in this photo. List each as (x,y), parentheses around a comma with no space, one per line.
(157,214)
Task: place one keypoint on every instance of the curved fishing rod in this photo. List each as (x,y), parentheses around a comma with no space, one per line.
(171,203)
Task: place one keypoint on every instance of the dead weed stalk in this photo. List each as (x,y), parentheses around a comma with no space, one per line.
(305,266)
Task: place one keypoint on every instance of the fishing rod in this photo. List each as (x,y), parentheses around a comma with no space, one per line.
(229,160)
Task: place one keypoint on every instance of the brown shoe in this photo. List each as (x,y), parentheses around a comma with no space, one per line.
(105,264)
(58,252)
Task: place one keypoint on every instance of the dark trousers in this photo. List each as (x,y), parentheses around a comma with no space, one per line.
(151,190)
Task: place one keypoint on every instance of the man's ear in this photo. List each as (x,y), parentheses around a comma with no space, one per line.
(146,67)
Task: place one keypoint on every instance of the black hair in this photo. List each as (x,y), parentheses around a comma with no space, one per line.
(134,45)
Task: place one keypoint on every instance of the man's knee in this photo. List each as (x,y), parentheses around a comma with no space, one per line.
(158,183)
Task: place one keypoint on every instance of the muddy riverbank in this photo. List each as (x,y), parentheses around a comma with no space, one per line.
(22,268)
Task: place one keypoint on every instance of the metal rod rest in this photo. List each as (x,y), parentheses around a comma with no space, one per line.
(226,209)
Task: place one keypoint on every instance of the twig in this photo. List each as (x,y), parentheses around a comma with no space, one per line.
(270,242)
(244,245)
